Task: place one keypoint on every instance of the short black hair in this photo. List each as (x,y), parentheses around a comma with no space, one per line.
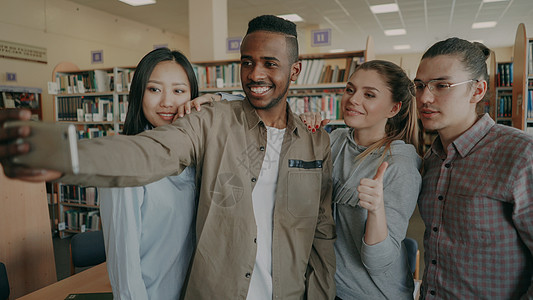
(278,25)
(273,24)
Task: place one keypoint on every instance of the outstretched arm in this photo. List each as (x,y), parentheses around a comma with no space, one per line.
(10,148)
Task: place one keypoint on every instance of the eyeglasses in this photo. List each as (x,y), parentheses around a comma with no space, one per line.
(437,87)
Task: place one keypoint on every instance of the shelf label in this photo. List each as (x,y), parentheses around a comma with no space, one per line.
(11,76)
(82,228)
(233,44)
(61,226)
(321,37)
(97,57)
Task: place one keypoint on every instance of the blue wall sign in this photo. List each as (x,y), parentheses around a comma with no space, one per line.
(321,37)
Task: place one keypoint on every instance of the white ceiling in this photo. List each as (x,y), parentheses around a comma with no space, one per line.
(351,22)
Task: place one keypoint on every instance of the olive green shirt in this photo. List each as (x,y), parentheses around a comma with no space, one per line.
(226,141)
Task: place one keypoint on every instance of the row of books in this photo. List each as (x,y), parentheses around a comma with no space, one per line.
(219,76)
(328,105)
(123,80)
(88,109)
(315,71)
(19,100)
(504,106)
(82,220)
(84,82)
(80,195)
(95,131)
(504,74)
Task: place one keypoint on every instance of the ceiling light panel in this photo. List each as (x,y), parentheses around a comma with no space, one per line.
(394,32)
(480,25)
(138,2)
(292,17)
(384,8)
(401,47)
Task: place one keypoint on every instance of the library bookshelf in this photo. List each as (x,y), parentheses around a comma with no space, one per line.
(22,97)
(513,98)
(319,86)
(95,101)
(504,93)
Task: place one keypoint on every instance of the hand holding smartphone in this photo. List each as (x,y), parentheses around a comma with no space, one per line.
(52,146)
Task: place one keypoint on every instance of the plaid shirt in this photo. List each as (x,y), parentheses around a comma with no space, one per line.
(477,205)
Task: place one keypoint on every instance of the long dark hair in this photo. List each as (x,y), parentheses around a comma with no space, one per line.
(135,119)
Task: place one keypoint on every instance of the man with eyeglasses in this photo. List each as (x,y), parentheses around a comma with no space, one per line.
(477,188)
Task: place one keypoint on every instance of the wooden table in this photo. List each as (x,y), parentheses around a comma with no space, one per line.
(93,280)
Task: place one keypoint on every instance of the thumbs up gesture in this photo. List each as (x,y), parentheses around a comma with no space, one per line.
(371,190)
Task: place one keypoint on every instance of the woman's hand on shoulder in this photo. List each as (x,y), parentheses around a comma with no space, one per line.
(197,104)
(313,120)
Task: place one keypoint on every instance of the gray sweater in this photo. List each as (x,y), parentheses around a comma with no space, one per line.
(379,271)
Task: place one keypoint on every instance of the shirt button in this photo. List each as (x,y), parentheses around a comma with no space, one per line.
(432,293)
(254,179)
(262,148)
(248,275)
(434,261)
(435,229)
(448,165)
(440,197)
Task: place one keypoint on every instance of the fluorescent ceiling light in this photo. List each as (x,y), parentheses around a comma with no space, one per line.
(479,25)
(490,1)
(336,50)
(391,32)
(401,47)
(384,8)
(138,2)
(292,17)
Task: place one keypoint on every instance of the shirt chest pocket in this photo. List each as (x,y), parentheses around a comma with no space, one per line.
(304,190)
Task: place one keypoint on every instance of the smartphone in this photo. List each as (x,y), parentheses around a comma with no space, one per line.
(52,146)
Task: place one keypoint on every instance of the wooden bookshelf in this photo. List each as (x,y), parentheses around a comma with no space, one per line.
(318,88)
(78,209)
(511,98)
(95,101)
(22,97)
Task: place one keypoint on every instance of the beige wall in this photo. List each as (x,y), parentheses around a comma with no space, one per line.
(70,32)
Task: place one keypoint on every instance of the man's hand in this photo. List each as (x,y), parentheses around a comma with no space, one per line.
(10,149)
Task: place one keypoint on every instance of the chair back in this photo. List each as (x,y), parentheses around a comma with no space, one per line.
(413,255)
(4,283)
(87,249)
